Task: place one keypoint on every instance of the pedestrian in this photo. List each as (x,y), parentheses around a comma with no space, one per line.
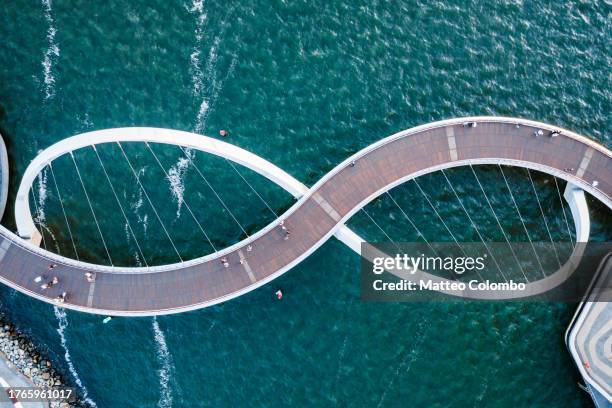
(51,267)
(279,294)
(51,283)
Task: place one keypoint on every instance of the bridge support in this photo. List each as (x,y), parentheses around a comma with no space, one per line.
(574,196)
(35,239)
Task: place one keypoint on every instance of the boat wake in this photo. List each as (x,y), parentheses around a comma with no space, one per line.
(41,217)
(176,178)
(143,220)
(205,84)
(167,368)
(62,320)
(197,7)
(52,52)
(404,366)
(342,352)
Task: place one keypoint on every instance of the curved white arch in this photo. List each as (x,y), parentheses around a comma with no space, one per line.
(23,216)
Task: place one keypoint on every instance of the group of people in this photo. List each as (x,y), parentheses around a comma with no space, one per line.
(49,284)
(90,277)
(285,229)
(540,132)
(249,247)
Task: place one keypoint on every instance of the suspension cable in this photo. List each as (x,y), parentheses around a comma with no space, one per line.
(380,228)
(544,217)
(438,215)
(498,222)
(473,226)
(184,200)
(149,201)
(411,222)
(213,190)
(563,209)
(127,222)
(91,207)
(252,188)
(59,195)
(521,218)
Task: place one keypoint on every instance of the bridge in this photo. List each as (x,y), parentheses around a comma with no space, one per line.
(589,336)
(320,212)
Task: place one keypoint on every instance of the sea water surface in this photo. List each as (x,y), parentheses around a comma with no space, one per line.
(304,85)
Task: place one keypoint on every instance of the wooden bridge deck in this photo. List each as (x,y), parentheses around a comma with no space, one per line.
(312,220)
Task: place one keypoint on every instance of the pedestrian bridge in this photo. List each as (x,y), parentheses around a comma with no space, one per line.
(319,213)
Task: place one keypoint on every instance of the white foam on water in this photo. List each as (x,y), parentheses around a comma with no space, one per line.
(197,7)
(406,363)
(53,237)
(196,71)
(143,220)
(145,223)
(85,121)
(51,53)
(483,392)
(202,115)
(167,368)
(211,62)
(62,320)
(485,383)
(205,84)
(41,217)
(176,178)
(343,348)
(128,239)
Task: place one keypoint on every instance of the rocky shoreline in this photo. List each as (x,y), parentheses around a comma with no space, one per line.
(22,354)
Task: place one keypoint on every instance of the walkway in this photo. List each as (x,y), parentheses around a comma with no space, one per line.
(589,337)
(313,219)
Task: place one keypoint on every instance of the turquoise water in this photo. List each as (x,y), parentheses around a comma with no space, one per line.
(304,85)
